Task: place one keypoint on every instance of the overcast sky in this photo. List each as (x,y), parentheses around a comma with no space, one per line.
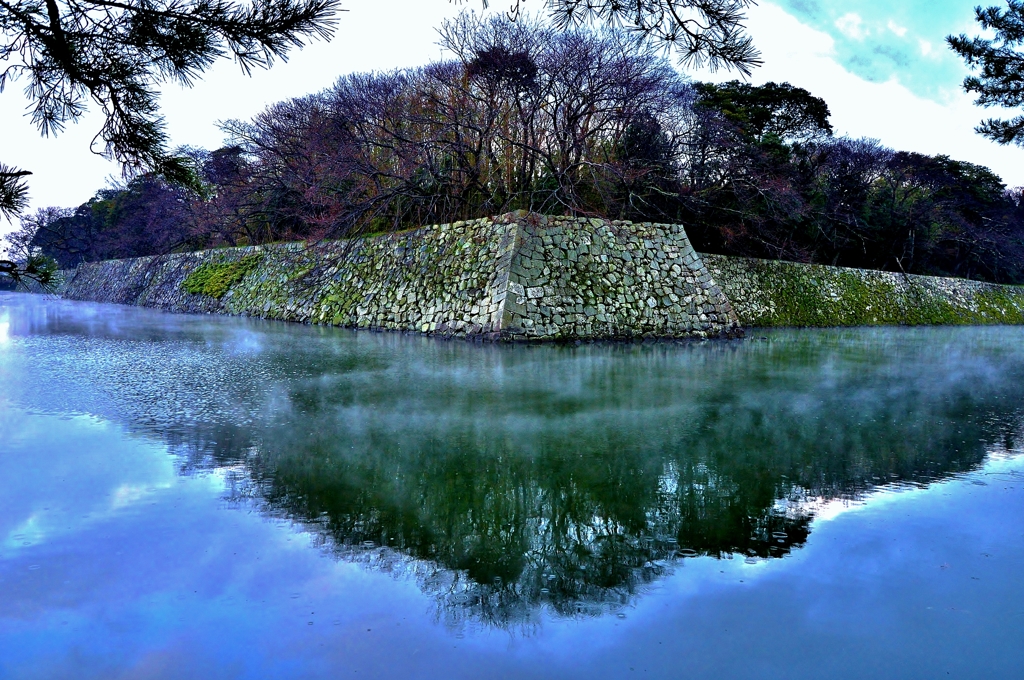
(882,66)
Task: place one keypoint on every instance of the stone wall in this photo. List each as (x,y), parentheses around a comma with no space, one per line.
(516,277)
(588,278)
(771,293)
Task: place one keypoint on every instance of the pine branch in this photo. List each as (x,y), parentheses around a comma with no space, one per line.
(13,191)
(999,67)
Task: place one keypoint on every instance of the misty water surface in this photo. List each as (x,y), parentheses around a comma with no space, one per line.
(186,496)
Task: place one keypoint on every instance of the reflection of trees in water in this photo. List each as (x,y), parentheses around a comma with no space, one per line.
(578,513)
(507,480)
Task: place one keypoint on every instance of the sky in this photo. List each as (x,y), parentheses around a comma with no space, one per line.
(878,40)
(882,66)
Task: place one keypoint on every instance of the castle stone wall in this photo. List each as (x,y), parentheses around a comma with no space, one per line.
(766,293)
(515,277)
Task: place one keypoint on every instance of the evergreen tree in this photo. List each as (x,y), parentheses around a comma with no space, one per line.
(1000,67)
(13,191)
(117,52)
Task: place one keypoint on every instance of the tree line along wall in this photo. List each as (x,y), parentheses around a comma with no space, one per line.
(515,277)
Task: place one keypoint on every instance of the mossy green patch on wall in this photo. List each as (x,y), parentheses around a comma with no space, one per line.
(770,293)
(213,279)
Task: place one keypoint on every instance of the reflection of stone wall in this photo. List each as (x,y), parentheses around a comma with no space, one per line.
(773,293)
(517,276)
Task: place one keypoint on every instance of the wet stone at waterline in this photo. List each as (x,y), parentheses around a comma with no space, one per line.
(200,496)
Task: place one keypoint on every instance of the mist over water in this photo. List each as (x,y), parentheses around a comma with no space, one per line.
(236,498)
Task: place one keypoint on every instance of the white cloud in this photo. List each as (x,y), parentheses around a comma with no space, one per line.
(852,26)
(898,30)
(888,111)
(925,46)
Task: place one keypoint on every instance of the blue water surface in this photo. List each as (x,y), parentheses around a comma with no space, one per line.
(210,497)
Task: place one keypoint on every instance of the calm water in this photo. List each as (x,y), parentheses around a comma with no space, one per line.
(209,497)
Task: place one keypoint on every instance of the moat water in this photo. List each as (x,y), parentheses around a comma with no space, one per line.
(212,497)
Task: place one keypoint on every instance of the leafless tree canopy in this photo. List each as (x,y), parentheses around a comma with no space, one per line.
(524,116)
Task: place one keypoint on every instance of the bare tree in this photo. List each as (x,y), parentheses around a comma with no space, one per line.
(524,116)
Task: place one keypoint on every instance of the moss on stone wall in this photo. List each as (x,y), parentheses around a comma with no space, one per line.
(769,293)
(530,277)
(214,279)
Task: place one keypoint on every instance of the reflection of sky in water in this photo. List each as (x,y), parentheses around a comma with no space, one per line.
(176,585)
(153,552)
(105,476)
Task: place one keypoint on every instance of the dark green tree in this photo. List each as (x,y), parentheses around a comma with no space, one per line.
(782,111)
(999,64)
